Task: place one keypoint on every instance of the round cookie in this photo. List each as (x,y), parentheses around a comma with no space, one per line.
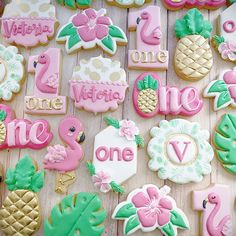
(28,22)
(127,3)
(11,72)
(65,160)
(150,208)
(20,213)
(179,151)
(80,212)
(193,56)
(98,85)
(89,29)
(74,4)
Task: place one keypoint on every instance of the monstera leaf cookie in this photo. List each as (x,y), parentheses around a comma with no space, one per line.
(74,4)
(224,140)
(77,214)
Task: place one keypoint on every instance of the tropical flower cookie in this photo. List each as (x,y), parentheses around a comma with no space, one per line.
(115,149)
(65,160)
(74,4)
(28,22)
(11,71)
(224,140)
(149,208)
(20,212)
(223,90)
(226,42)
(215,207)
(180,151)
(91,28)
(193,57)
(128,3)
(98,84)
(77,213)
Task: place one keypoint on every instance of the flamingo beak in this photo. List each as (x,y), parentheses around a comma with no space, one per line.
(35,63)
(138,20)
(205,203)
(81,137)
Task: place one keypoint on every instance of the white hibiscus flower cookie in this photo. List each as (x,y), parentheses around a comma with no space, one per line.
(11,71)
(180,151)
(128,3)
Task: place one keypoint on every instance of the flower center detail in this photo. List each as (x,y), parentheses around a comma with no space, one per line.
(153,208)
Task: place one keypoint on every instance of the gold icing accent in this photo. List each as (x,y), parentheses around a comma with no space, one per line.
(115,76)
(44,7)
(63,181)
(97,63)
(3,132)
(147,100)
(34,14)
(24,7)
(94,76)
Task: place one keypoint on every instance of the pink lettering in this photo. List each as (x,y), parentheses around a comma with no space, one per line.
(177,151)
(229,26)
(105,152)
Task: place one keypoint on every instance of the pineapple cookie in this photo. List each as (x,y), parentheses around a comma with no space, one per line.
(20,213)
(151,98)
(193,57)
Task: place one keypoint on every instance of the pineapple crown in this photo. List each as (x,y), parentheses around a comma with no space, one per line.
(25,176)
(3,115)
(193,24)
(147,82)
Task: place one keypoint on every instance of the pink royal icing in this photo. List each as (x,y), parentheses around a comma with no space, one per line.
(170,100)
(46,99)
(147,23)
(208,4)
(22,133)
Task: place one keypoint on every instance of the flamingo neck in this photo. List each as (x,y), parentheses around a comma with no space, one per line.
(73,145)
(210,221)
(144,28)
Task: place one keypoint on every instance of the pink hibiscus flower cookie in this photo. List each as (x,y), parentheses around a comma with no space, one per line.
(226,42)
(91,28)
(149,208)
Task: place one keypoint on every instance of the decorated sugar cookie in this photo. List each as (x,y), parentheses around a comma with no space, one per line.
(128,3)
(148,53)
(65,160)
(11,71)
(225,43)
(74,4)
(193,56)
(223,90)
(47,69)
(151,98)
(89,29)
(77,213)
(115,149)
(20,213)
(214,204)
(224,140)
(28,22)
(98,84)
(22,133)
(175,5)
(179,150)
(150,208)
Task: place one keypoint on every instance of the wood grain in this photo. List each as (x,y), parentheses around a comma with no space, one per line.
(207,118)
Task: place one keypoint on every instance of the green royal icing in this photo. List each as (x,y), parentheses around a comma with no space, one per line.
(74,4)
(77,214)
(25,176)
(3,115)
(224,140)
(193,24)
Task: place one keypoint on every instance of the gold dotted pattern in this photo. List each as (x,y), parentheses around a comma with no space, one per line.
(147,100)
(20,213)
(193,57)
(3,133)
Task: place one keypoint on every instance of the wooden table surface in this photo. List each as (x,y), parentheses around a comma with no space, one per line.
(94,123)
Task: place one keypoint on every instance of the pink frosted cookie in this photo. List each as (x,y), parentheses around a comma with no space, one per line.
(175,5)
(147,24)
(91,28)
(223,90)
(127,3)
(22,133)
(150,208)
(47,69)
(65,160)
(98,85)
(225,43)
(151,98)
(215,206)
(115,149)
(28,22)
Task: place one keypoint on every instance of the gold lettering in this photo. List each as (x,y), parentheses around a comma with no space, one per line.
(161,57)
(136,56)
(31,103)
(44,104)
(149,57)
(57,104)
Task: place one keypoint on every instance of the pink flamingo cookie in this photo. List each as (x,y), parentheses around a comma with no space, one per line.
(214,202)
(46,100)
(66,160)
(151,98)
(22,133)
(147,24)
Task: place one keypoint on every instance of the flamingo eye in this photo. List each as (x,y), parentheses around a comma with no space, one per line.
(72,129)
(213,197)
